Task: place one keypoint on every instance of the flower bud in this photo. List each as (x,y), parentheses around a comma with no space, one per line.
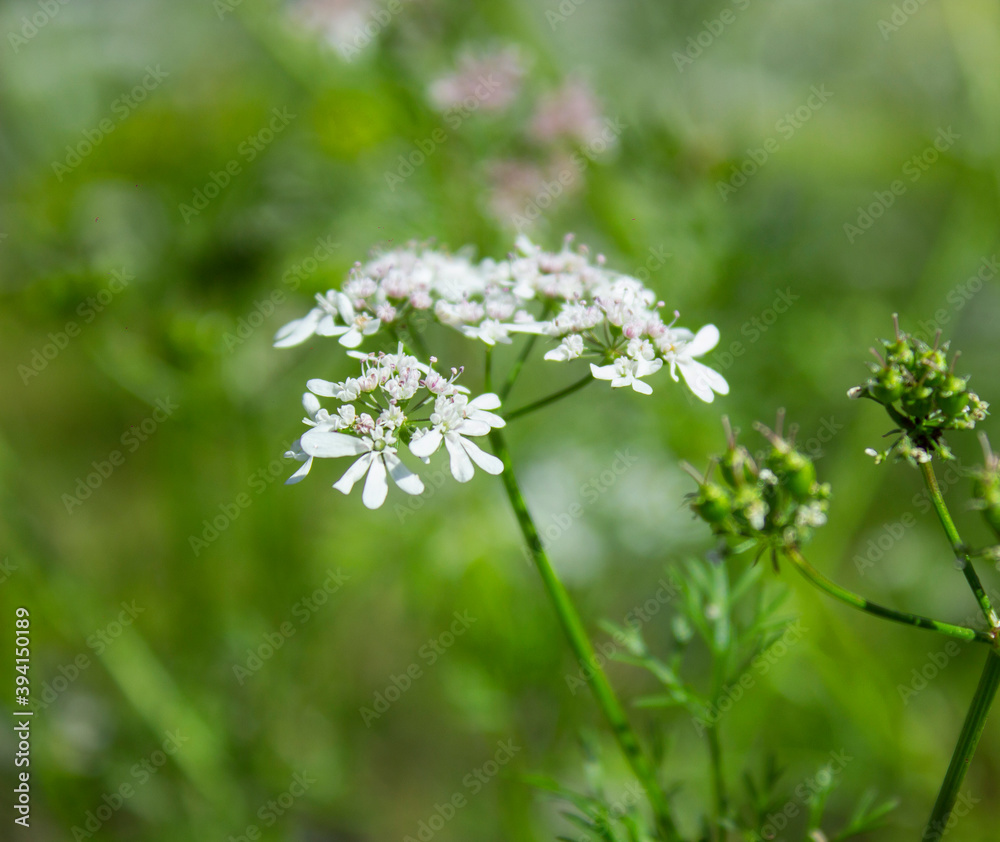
(712,503)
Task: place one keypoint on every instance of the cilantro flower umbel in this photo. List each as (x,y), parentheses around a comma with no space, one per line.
(577,306)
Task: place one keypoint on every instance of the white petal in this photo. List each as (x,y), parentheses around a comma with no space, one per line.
(328,327)
(605,372)
(319,387)
(344,307)
(461,465)
(403,476)
(426,444)
(487,401)
(704,341)
(310,404)
(327,444)
(298,331)
(472,427)
(352,338)
(300,474)
(642,388)
(375,486)
(699,379)
(487,461)
(353,474)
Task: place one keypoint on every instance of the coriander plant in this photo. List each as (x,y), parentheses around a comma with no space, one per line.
(403,406)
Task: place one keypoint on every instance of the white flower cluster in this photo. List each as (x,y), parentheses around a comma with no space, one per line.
(378,412)
(584,309)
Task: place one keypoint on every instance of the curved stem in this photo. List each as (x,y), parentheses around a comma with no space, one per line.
(583,649)
(562,393)
(959,548)
(972,730)
(862,604)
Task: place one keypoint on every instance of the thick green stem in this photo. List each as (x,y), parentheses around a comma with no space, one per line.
(583,649)
(972,730)
(862,604)
(958,547)
(562,393)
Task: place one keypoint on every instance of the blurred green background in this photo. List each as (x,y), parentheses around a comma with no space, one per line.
(750,134)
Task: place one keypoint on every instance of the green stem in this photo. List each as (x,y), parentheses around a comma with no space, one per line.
(718,784)
(972,730)
(562,393)
(488,373)
(958,547)
(862,604)
(518,365)
(523,356)
(583,649)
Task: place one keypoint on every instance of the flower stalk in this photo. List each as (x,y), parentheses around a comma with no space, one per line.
(862,604)
(968,741)
(583,649)
(959,548)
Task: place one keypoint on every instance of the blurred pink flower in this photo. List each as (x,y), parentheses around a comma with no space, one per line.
(571,112)
(517,186)
(341,23)
(492,80)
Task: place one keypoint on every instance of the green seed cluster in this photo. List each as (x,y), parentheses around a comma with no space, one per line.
(773,500)
(986,488)
(920,390)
